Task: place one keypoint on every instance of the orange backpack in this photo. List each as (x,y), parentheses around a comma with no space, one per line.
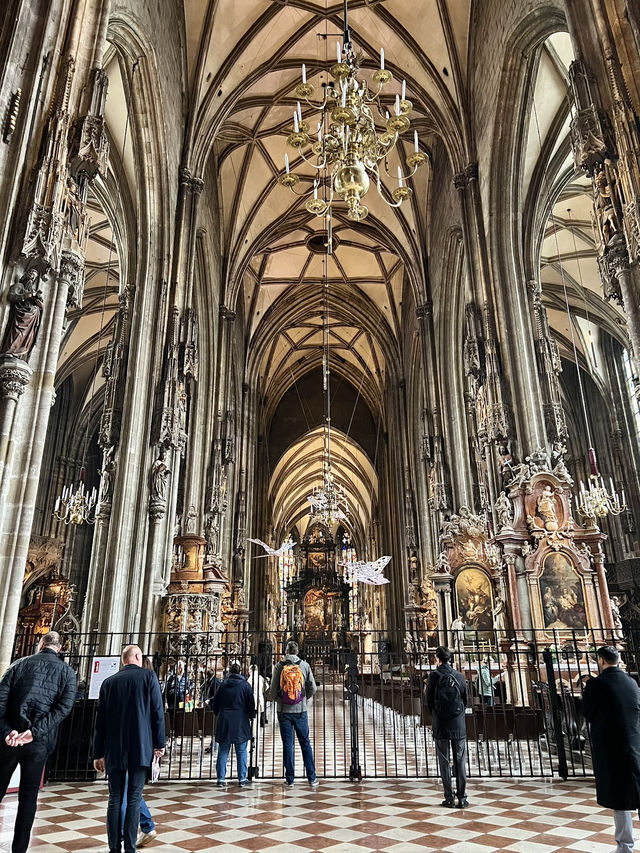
(291,684)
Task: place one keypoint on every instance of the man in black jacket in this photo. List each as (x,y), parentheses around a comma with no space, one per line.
(447,700)
(129,734)
(36,694)
(611,704)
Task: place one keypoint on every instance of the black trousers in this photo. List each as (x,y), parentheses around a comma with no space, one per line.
(32,758)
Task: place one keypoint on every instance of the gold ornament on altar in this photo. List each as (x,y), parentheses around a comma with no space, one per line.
(348,143)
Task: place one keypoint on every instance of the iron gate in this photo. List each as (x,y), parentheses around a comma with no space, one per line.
(369,717)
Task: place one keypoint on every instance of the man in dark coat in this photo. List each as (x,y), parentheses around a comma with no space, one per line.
(129,734)
(36,694)
(233,703)
(611,704)
(447,700)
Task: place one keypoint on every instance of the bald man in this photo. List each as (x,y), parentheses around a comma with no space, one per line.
(129,734)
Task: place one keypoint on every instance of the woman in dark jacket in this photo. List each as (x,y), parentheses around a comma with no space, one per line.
(233,703)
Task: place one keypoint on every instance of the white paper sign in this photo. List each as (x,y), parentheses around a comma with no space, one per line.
(101,668)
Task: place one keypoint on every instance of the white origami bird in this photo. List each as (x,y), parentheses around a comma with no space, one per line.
(370,573)
(271,552)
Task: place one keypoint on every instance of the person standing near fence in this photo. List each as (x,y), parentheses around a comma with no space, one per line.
(147,825)
(234,705)
(129,734)
(292,686)
(447,701)
(611,705)
(36,694)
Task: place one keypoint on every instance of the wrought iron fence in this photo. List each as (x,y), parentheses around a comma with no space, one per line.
(369,717)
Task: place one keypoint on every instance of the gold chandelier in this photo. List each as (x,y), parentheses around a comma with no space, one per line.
(348,146)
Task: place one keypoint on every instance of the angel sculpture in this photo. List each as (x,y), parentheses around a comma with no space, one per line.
(370,573)
(271,552)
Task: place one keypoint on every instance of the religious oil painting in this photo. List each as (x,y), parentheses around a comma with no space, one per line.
(475,603)
(561,594)
(315,611)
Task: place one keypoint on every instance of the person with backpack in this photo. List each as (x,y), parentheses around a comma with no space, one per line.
(292,686)
(447,700)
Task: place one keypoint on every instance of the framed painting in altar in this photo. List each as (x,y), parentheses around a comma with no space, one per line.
(317,560)
(561,594)
(474,598)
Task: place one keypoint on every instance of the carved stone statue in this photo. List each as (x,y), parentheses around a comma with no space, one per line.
(546,508)
(502,507)
(414,567)
(238,565)
(107,475)
(499,614)
(442,564)
(26,313)
(615,614)
(159,475)
(73,213)
(216,633)
(605,206)
(191,520)
(457,632)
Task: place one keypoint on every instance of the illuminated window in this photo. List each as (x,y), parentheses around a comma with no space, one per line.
(633,385)
(286,570)
(348,558)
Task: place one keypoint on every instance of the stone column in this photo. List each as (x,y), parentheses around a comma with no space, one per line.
(21,473)
(14,377)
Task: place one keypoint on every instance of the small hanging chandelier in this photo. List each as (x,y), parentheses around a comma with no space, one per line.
(76,506)
(348,145)
(328,501)
(594,501)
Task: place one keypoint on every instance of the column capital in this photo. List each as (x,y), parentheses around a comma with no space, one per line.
(227,314)
(72,274)
(425,310)
(14,377)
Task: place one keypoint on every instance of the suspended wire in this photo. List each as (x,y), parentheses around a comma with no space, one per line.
(564,282)
(584,292)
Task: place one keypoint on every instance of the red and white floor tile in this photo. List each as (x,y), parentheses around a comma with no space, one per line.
(391,815)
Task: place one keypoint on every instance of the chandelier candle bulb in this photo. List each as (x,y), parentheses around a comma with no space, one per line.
(295,122)
(397,105)
(304,73)
(399,176)
(344,96)
(299,110)
(338,51)
(382,59)
(286,163)
(404,90)
(415,141)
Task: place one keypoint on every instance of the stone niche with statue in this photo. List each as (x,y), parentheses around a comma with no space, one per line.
(468,580)
(193,615)
(555,565)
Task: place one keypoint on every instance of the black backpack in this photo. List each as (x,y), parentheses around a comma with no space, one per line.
(448,699)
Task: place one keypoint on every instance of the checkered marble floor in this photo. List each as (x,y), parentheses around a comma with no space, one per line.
(523,816)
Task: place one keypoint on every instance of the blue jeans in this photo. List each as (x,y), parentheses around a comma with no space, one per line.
(146,821)
(241,758)
(117,782)
(298,723)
